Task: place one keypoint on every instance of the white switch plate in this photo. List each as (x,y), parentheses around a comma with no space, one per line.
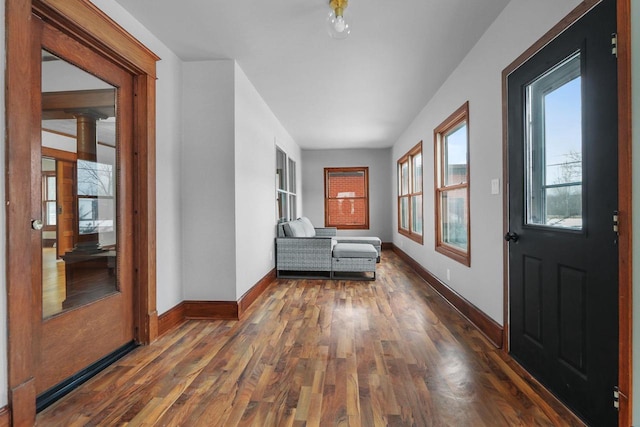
(495,186)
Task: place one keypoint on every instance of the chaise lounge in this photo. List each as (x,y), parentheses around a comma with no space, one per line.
(307,251)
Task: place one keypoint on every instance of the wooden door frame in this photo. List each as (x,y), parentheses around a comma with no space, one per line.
(625,283)
(84,22)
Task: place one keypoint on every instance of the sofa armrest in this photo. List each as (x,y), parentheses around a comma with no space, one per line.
(303,253)
(326,231)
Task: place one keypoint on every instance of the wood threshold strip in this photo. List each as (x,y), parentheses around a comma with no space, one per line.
(213,310)
(487,326)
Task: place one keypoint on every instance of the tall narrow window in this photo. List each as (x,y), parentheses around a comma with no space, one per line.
(285,187)
(452,186)
(346,202)
(410,194)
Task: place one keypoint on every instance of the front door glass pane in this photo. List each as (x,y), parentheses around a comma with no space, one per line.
(554,147)
(79,249)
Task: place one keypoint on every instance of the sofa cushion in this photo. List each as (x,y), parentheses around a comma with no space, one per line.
(375,241)
(294,229)
(309,230)
(354,250)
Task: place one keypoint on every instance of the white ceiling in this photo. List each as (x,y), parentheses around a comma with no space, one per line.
(359,92)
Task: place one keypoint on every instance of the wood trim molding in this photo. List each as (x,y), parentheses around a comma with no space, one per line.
(104,35)
(5,417)
(625,281)
(252,294)
(213,310)
(625,254)
(387,245)
(59,154)
(170,319)
(489,327)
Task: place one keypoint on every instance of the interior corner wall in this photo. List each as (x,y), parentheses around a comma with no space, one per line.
(168,140)
(4,382)
(635,85)
(377,160)
(257,132)
(477,79)
(207,181)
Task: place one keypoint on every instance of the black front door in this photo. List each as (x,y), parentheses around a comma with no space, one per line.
(563,255)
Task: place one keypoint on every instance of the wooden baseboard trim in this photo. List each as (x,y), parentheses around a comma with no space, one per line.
(387,245)
(252,294)
(170,319)
(211,310)
(489,327)
(5,417)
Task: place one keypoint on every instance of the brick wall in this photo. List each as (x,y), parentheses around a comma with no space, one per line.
(347,204)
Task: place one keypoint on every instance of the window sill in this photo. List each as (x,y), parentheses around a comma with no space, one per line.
(456,255)
(418,238)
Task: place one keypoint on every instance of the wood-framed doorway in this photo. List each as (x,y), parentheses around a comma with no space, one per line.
(85,23)
(625,283)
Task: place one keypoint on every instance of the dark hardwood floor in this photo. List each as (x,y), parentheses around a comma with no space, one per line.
(319,353)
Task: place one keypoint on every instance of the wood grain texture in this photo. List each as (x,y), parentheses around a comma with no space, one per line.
(5,417)
(486,325)
(319,352)
(170,319)
(252,294)
(625,208)
(211,310)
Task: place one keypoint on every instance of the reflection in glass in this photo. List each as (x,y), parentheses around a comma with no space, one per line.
(404,213)
(554,147)
(455,156)
(79,196)
(454,217)
(416,214)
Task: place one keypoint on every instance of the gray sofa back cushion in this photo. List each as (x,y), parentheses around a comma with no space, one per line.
(309,230)
(294,229)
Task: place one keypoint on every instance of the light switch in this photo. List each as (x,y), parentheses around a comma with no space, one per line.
(495,186)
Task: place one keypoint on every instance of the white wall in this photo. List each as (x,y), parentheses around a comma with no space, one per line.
(168,139)
(257,130)
(635,84)
(478,80)
(208,181)
(313,164)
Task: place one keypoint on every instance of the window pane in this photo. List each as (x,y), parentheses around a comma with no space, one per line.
(346,184)
(51,213)
(455,156)
(417,173)
(281,170)
(404,178)
(293,208)
(554,147)
(454,217)
(347,211)
(282,206)
(404,213)
(95,179)
(292,176)
(51,188)
(416,214)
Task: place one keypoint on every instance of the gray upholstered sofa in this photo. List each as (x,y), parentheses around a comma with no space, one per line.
(303,248)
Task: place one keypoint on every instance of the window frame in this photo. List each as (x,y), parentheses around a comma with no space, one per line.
(409,159)
(327,222)
(450,125)
(288,192)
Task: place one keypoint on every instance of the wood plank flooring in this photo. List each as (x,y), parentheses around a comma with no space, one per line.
(318,353)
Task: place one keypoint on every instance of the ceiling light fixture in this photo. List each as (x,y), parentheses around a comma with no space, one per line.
(336,25)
